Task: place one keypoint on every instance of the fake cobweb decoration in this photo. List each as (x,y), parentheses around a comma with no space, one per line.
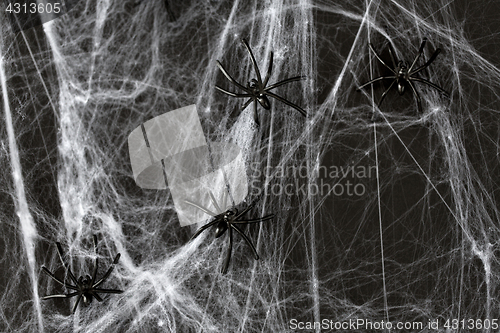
(396,221)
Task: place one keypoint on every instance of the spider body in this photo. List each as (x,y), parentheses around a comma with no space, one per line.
(402,77)
(260,94)
(405,75)
(228,221)
(225,219)
(86,288)
(257,89)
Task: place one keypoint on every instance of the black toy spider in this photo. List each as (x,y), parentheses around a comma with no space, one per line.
(404,75)
(228,220)
(85,288)
(256,88)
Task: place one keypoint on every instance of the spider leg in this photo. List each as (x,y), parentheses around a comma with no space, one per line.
(281,99)
(108,291)
(203,228)
(385,93)
(376,80)
(60,296)
(431,59)
(214,202)
(375,116)
(379,58)
(224,198)
(232,93)
(60,251)
(228,255)
(261,219)
(57,280)
(226,74)
(417,96)
(292,79)
(392,53)
(97,297)
(420,51)
(96,264)
(269,70)
(250,206)
(255,114)
(76,303)
(441,90)
(111,268)
(205,210)
(259,78)
(247,103)
(245,237)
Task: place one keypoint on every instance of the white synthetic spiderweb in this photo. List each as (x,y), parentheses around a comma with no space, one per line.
(80,84)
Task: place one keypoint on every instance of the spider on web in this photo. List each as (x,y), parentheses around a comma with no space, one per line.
(404,76)
(85,287)
(256,89)
(228,220)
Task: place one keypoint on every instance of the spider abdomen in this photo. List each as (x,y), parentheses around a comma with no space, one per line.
(264,101)
(401,87)
(220,229)
(402,77)
(87,298)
